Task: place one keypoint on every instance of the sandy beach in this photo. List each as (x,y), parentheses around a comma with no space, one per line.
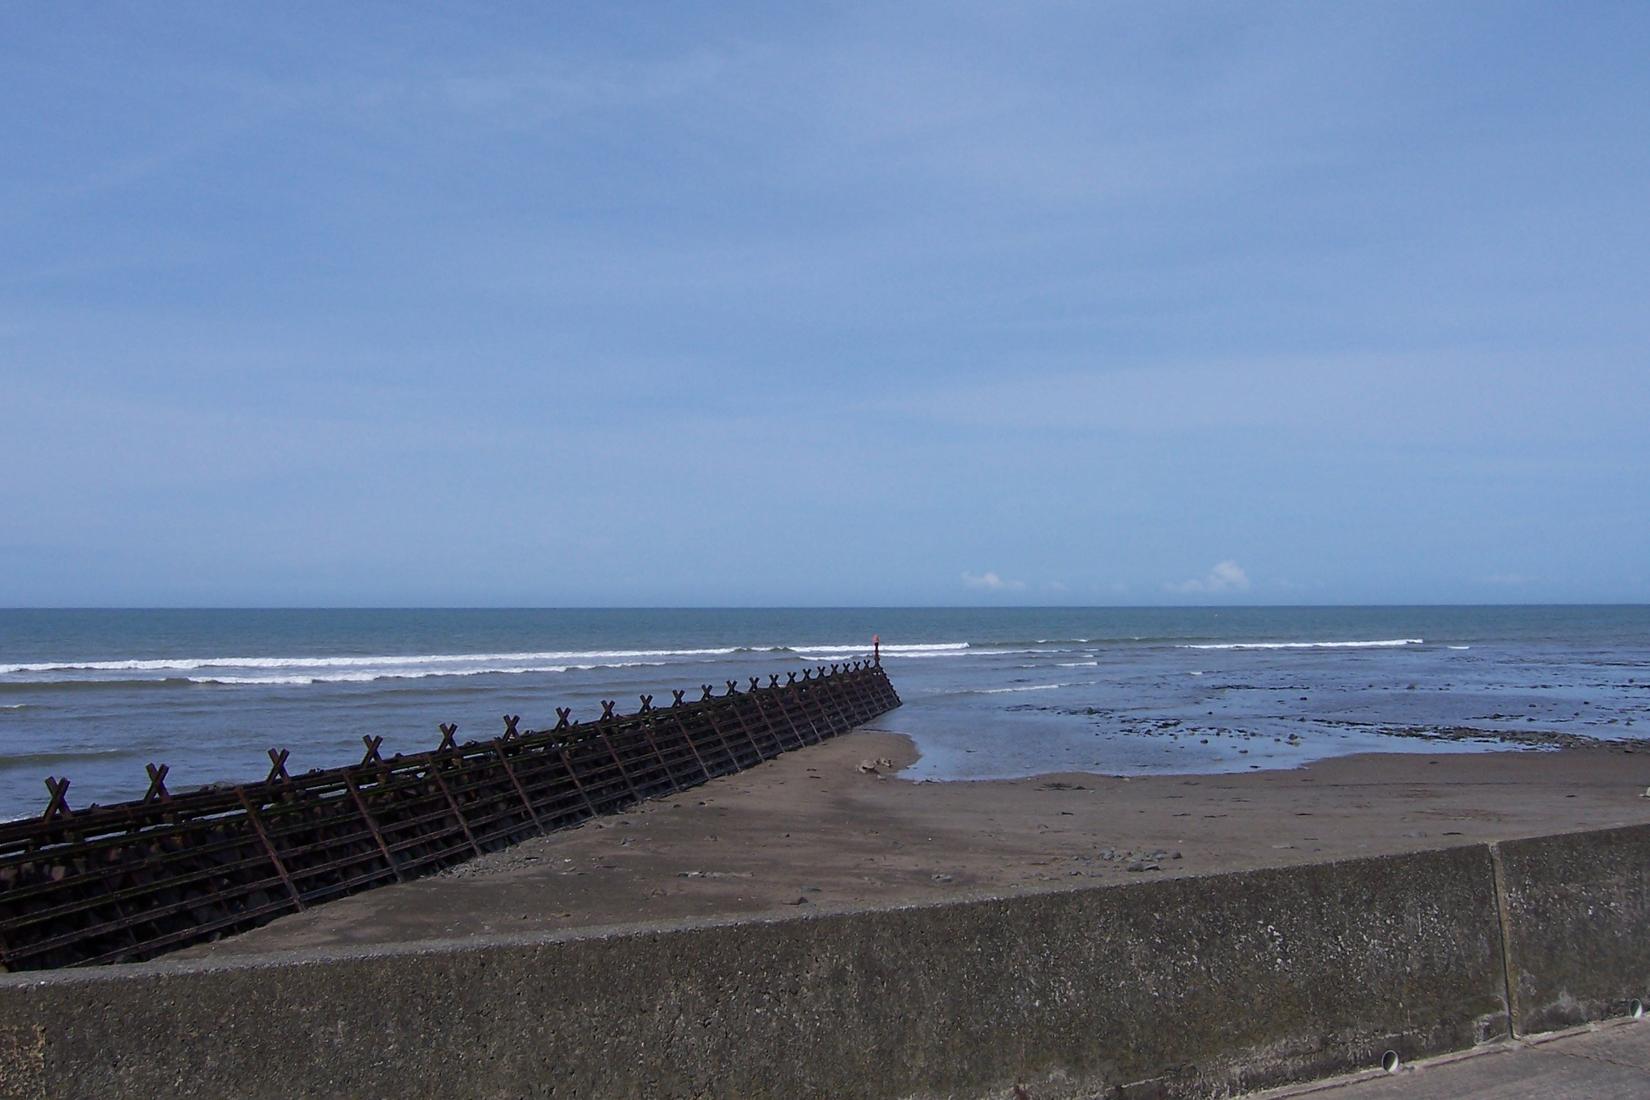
(834,827)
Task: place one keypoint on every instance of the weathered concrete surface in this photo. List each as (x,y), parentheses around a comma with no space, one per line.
(1611,1060)
(1578,912)
(1186,987)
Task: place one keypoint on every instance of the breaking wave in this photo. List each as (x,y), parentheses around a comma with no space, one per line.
(1012,690)
(370,677)
(59,756)
(1388,643)
(356,669)
(189,664)
(920,649)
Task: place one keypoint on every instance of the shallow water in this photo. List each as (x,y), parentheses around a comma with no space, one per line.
(989,693)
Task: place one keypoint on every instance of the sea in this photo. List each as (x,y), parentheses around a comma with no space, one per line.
(989,693)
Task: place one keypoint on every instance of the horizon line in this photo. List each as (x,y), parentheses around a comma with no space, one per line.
(819,607)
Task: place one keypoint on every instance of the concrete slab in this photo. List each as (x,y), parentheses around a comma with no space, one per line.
(1188,987)
(1576,911)
(1607,1060)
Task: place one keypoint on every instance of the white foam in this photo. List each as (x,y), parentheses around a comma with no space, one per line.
(1029,687)
(337,678)
(1076,664)
(364,668)
(915,649)
(369,677)
(192,664)
(453,663)
(1389,643)
(1460,647)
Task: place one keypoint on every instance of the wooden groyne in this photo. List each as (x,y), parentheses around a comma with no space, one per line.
(133,880)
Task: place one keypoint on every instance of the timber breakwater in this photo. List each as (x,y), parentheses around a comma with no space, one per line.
(130,881)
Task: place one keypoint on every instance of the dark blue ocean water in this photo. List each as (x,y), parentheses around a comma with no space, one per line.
(95,695)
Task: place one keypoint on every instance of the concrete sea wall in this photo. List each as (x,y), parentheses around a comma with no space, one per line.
(1578,919)
(1193,987)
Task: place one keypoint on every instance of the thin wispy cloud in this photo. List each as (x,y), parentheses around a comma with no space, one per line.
(989,581)
(1225,577)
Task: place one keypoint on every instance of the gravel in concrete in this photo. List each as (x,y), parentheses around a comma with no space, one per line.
(1610,1060)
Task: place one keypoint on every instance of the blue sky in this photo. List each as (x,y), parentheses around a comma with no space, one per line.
(1032,303)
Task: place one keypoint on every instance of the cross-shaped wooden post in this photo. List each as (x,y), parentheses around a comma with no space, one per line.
(59,802)
(157,783)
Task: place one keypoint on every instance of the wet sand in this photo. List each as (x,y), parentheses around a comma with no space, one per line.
(832,827)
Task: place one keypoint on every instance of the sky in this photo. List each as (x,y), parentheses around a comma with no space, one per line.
(882,304)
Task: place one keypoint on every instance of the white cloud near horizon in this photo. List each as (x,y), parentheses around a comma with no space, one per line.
(1226,576)
(990,581)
